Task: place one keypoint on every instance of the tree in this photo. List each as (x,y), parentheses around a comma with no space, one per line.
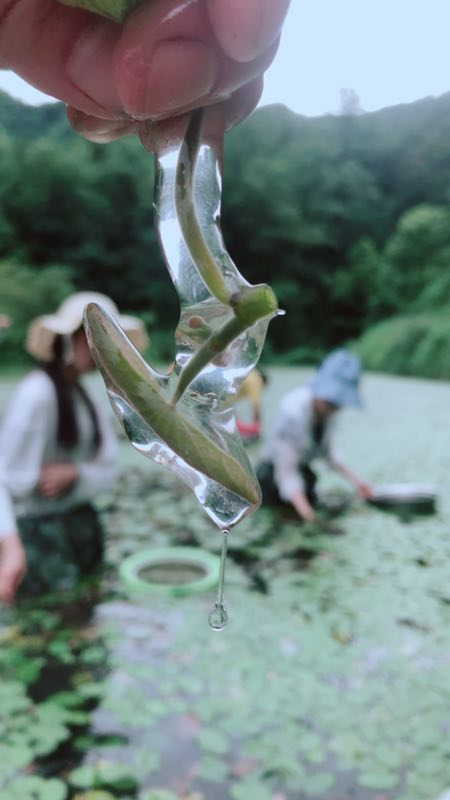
(417,258)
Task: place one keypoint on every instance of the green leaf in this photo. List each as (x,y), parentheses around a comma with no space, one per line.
(126,372)
(83,777)
(35,788)
(213,741)
(378,779)
(319,783)
(115,776)
(250,789)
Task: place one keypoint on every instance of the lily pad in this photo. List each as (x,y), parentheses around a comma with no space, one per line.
(35,788)
(378,780)
(251,789)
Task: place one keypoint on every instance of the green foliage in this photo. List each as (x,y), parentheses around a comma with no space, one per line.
(30,122)
(346,217)
(416,259)
(411,345)
(104,775)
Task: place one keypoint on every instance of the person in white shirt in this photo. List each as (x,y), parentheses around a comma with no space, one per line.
(303,432)
(58,451)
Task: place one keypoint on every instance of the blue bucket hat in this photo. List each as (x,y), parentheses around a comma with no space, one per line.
(337,379)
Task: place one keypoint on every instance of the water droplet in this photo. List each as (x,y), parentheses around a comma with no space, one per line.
(218,617)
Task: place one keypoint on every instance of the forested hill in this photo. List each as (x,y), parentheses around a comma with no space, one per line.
(32,122)
(346,216)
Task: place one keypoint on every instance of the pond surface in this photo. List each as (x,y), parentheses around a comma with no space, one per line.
(331,680)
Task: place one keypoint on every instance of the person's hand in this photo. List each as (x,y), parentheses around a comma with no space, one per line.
(303,507)
(13,566)
(364,490)
(56,479)
(168,57)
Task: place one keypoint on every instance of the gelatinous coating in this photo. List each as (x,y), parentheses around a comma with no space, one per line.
(185,420)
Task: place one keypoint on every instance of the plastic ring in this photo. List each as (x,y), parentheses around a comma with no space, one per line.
(189,556)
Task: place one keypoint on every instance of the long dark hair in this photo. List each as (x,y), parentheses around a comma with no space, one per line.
(67,430)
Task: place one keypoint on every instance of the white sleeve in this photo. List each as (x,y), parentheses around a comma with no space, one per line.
(330,453)
(285,458)
(100,473)
(291,443)
(24,432)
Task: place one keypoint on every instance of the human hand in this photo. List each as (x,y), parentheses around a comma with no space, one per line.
(168,57)
(364,490)
(56,479)
(13,566)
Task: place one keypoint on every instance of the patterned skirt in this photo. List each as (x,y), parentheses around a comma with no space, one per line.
(62,549)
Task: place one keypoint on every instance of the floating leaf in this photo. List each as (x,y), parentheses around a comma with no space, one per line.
(319,783)
(251,789)
(35,788)
(83,777)
(213,741)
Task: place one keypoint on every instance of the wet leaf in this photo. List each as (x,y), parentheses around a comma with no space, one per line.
(121,366)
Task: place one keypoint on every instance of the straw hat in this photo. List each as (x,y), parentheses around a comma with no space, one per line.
(69,318)
(337,379)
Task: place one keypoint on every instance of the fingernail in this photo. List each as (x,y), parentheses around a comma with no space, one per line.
(90,64)
(177,74)
(245,28)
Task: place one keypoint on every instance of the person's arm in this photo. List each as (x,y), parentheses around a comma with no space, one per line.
(286,456)
(362,487)
(13,563)
(302,506)
(167,58)
(13,566)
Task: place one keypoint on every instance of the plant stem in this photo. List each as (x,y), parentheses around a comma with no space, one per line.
(186,212)
(249,304)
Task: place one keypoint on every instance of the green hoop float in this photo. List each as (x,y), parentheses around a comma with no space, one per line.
(130,571)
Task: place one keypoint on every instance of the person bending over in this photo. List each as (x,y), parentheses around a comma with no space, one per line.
(303,432)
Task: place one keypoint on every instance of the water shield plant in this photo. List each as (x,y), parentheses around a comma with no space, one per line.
(185,419)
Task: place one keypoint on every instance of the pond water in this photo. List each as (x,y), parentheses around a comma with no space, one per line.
(331,680)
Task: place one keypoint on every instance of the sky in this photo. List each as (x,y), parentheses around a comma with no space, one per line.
(387,51)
